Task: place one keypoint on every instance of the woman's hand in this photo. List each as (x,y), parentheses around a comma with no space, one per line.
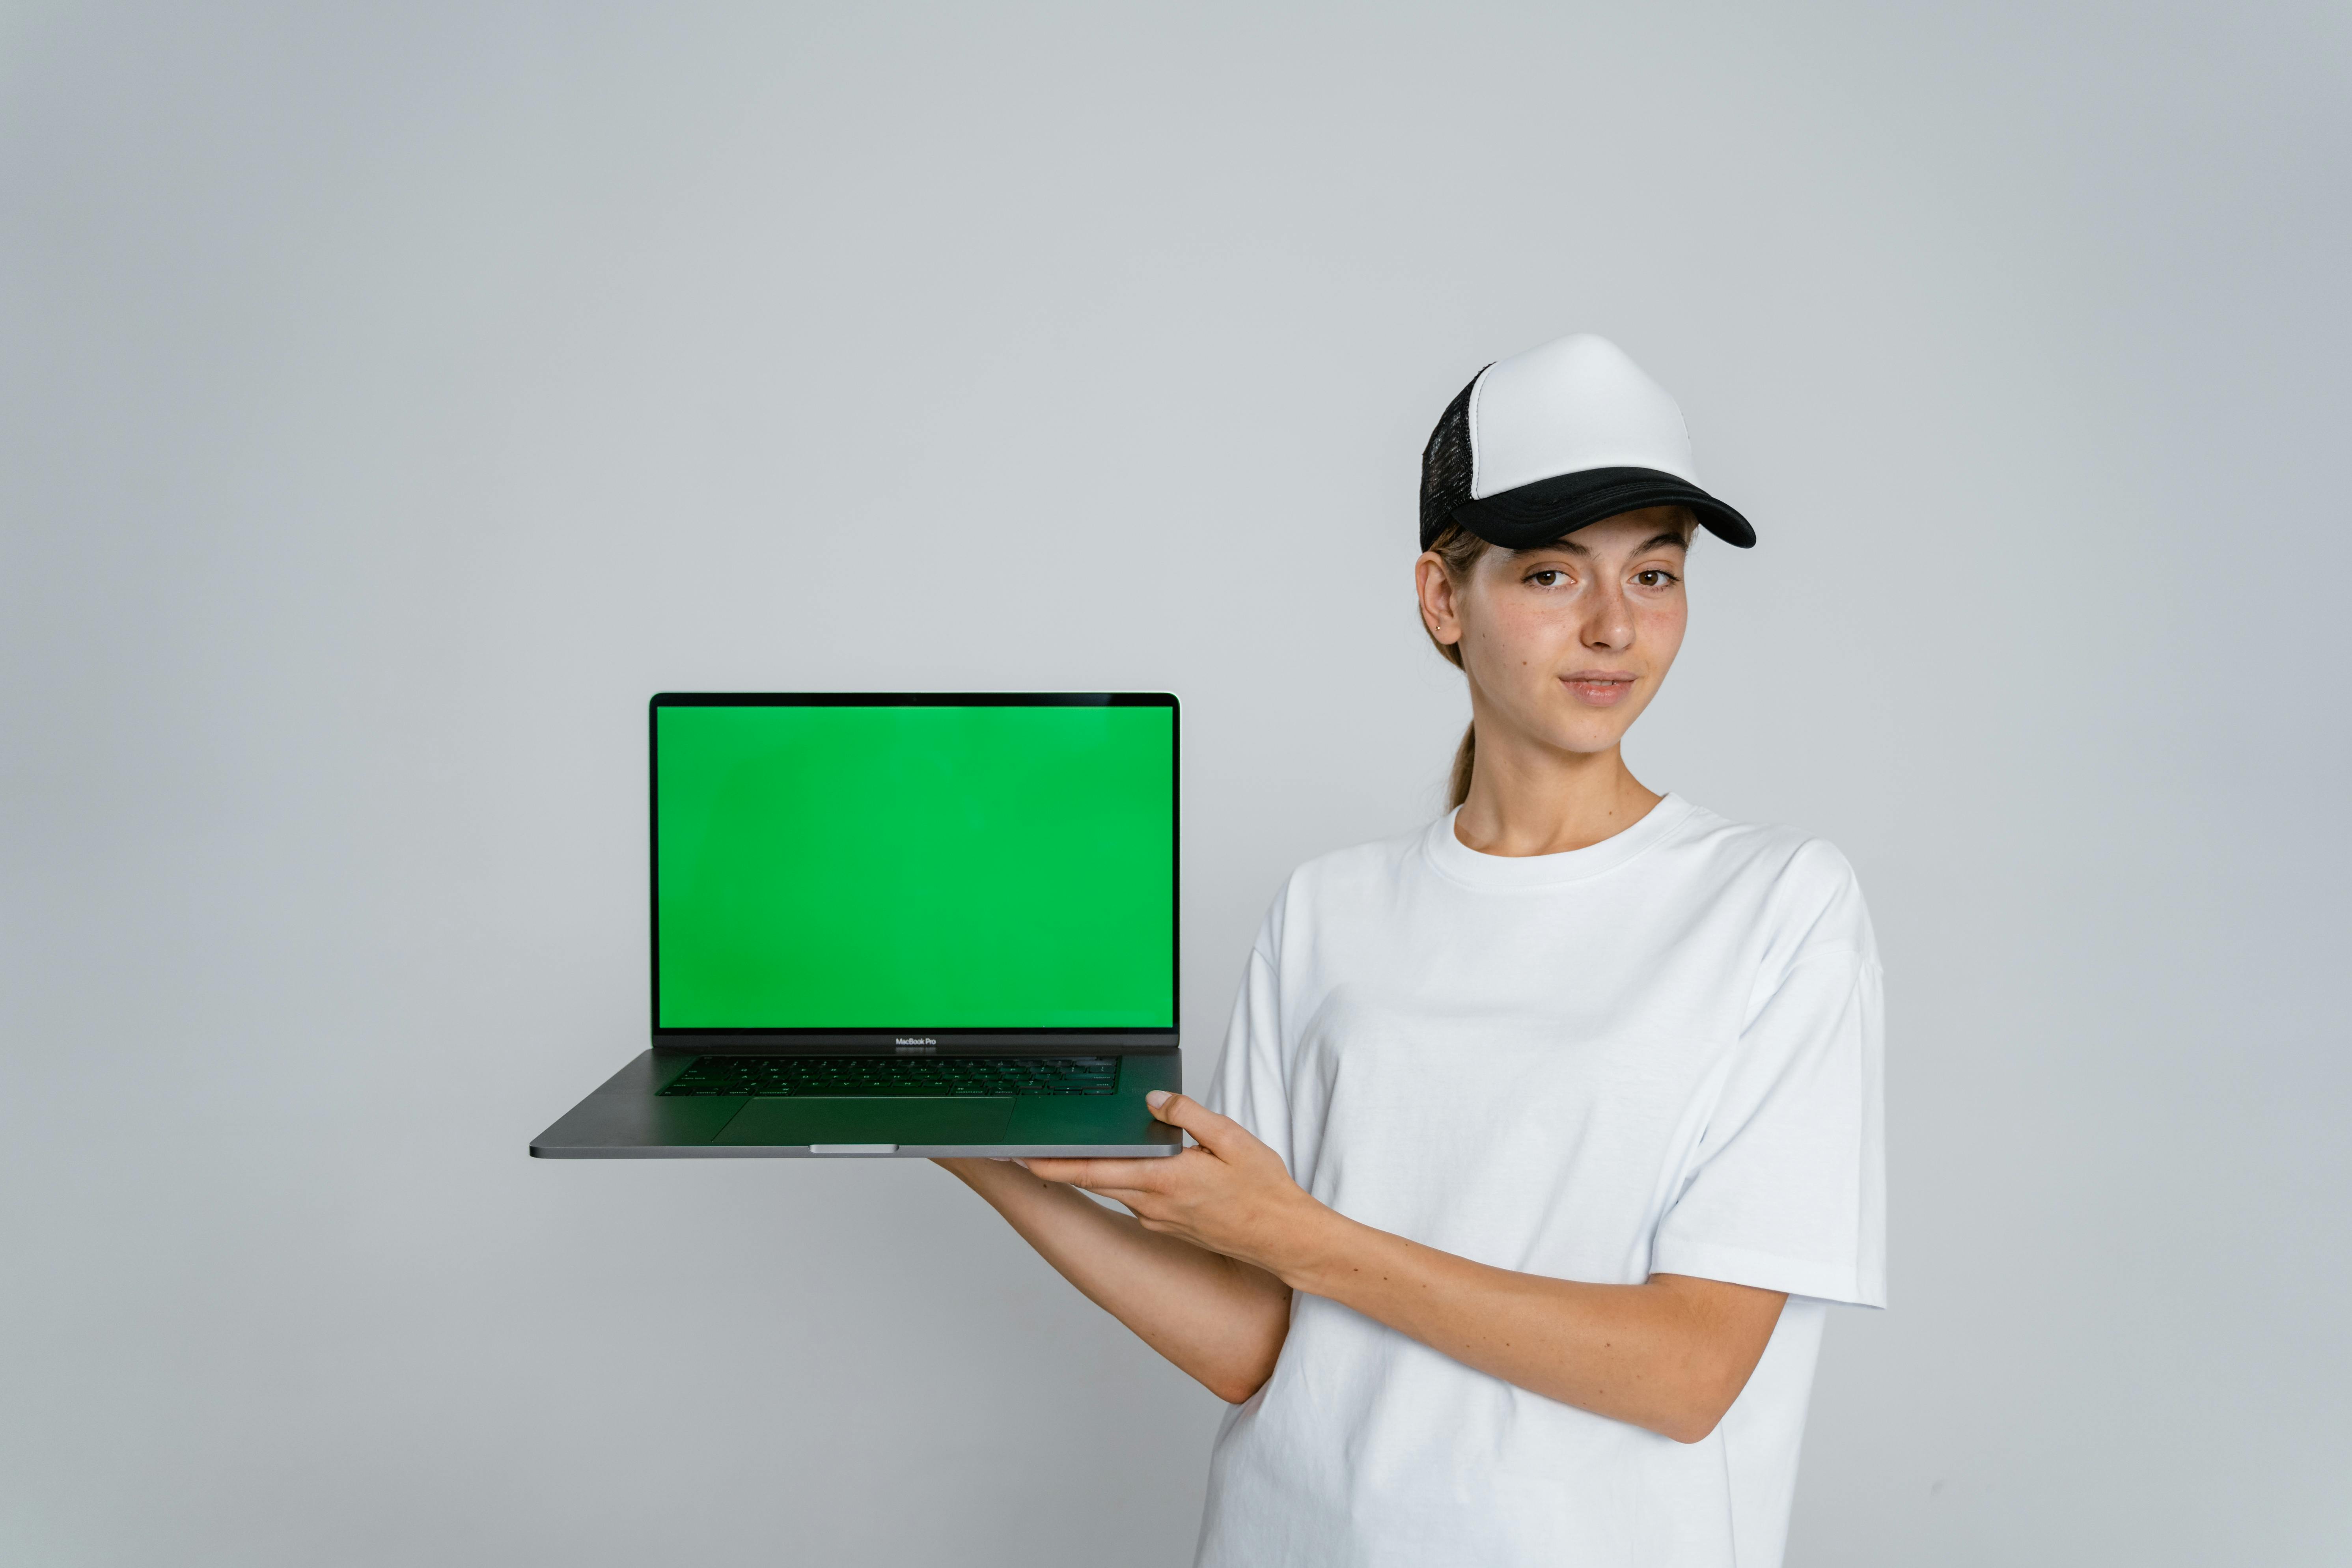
(1230,1193)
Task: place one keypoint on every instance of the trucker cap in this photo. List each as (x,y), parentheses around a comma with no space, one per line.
(1542,443)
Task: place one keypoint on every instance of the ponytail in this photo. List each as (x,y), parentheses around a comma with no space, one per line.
(1465,756)
(1458,548)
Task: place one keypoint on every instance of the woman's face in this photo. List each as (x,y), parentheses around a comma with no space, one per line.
(1567,644)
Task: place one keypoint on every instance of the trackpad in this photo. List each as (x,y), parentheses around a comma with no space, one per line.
(785,1123)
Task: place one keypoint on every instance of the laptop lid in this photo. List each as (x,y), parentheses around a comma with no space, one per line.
(914,872)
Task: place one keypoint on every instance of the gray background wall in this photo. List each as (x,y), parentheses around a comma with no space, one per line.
(392,397)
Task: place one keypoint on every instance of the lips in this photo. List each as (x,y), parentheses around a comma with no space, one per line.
(1599,688)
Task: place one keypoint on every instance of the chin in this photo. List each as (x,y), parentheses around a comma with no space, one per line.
(1588,738)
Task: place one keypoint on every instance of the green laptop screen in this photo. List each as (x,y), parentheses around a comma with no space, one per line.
(914,868)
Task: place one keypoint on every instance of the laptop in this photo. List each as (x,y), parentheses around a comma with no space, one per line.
(903,925)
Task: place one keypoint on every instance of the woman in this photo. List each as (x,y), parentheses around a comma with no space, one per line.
(1542,1136)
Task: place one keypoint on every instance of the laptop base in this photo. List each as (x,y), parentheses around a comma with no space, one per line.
(628,1119)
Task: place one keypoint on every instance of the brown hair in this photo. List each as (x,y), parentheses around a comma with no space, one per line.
(1458,550)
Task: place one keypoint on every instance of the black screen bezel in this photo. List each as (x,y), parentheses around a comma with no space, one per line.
(914,1036)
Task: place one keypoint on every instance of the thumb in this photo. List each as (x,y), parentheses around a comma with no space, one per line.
(1218,1134)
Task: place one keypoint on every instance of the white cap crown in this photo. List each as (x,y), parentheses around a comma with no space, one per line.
(1573,403)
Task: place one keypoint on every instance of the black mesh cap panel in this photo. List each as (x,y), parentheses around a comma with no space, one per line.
(1445,465)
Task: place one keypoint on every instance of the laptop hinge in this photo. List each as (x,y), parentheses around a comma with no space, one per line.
(1074,1044)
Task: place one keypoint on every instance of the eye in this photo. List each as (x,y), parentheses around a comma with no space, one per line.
(1655,577)
(1549,578)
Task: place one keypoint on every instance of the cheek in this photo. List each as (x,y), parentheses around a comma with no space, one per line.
(1662,628)
(1515,633)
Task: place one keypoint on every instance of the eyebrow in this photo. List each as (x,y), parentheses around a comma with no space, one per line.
(1569,544)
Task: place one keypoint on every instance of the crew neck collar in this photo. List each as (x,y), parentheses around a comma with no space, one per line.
(1456,860)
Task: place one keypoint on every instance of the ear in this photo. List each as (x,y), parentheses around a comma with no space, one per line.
(1440,607)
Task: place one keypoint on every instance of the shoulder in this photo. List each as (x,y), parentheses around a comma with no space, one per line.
(1801,884)
(1784,855)
(1343,880)
(1358,866)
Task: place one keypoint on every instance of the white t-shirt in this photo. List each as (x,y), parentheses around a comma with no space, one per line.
(1659,1054)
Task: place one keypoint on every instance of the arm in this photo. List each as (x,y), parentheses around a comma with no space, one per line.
(1220,1319)
(1670,1355)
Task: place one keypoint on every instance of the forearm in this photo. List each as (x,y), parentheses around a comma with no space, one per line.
(1669,1355)
(1220,1319)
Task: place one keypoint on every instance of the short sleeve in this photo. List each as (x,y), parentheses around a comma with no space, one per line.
(1788,1189)
(1249,1084)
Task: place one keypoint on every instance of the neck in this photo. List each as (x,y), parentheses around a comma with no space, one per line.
(1530,798)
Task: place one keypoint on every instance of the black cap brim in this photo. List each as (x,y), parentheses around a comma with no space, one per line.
(1536,514)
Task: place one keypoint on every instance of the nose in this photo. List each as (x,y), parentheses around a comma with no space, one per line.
(1608,620)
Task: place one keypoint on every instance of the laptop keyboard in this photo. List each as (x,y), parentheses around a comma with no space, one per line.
(929,1076)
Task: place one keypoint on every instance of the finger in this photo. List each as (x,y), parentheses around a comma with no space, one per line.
(1129,1198)
(1218,1134)
(1094,1175)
